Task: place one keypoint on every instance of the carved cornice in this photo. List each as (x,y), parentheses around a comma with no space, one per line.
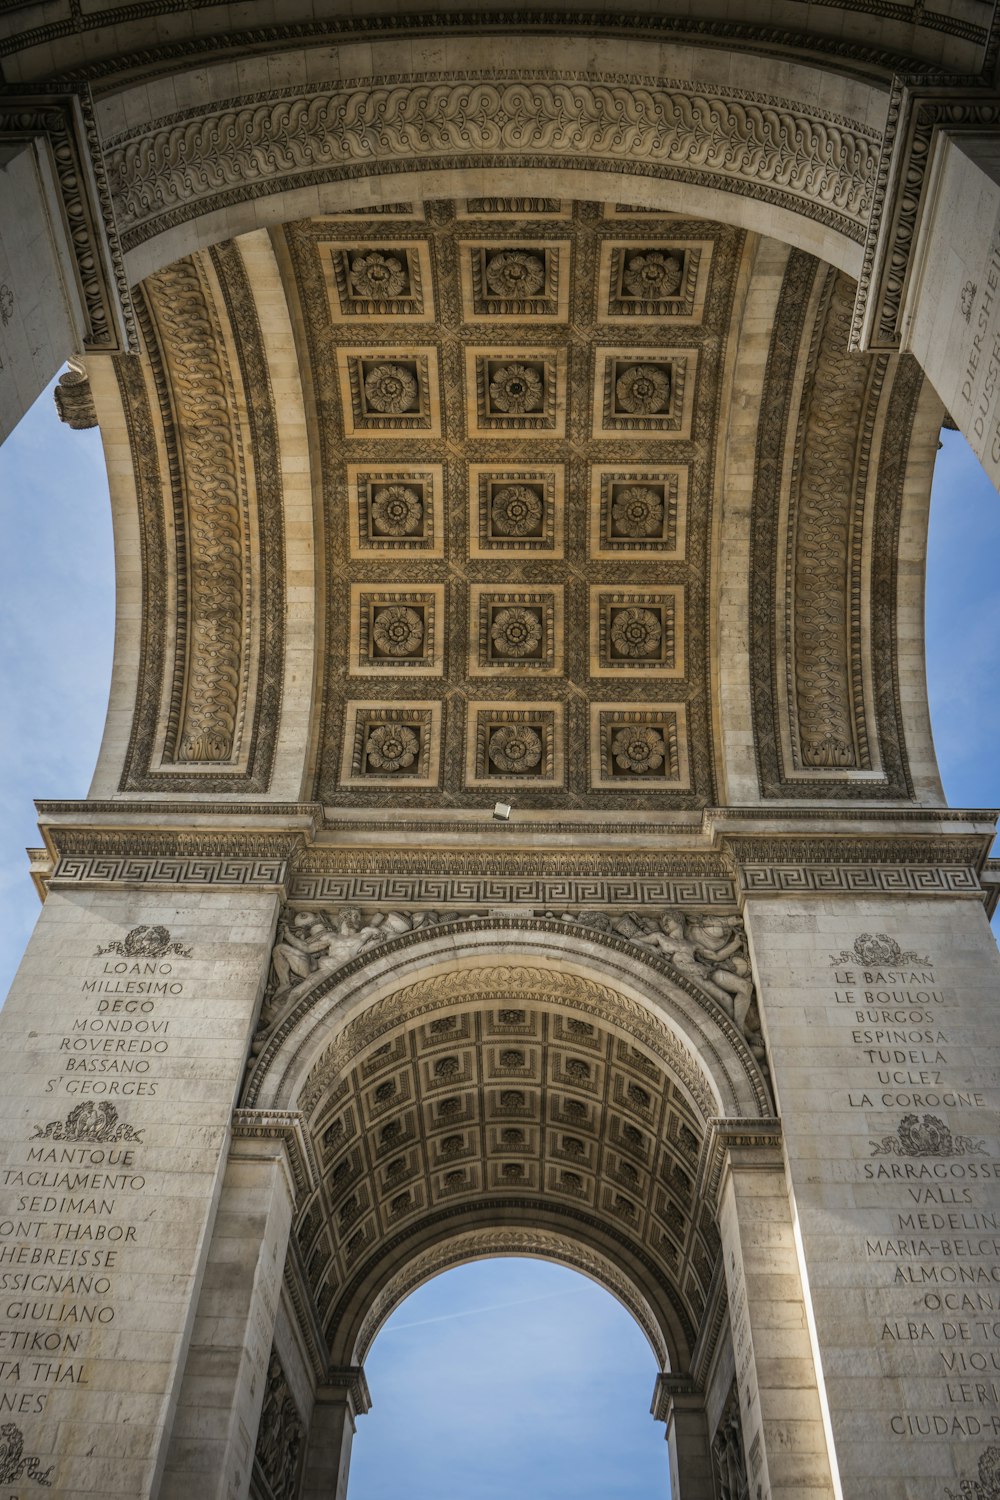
(346,1382)
(773,818)
(769,40)
(755,1143)
(917,851)
(671,1391)
(66,122)
(132,808)
(759,146)
(287,1126)
(990,878)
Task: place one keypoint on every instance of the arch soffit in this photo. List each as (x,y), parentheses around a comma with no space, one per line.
(415,974)
(782,146)
(460,1248)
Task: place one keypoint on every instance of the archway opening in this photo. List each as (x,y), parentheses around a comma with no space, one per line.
(510,1376)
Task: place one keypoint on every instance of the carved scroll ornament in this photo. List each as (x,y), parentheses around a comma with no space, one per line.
(764,147)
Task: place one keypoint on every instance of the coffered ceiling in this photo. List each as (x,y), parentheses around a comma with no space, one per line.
(559,1117)
(515,418)
(563,504)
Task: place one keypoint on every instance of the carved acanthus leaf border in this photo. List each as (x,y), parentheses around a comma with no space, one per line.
(896,391)
(230,543)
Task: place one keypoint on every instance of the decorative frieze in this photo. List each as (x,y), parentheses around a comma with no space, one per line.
(538,892)
(767,148)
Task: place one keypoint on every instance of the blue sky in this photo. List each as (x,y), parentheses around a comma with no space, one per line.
(504,1377)
(510,1378)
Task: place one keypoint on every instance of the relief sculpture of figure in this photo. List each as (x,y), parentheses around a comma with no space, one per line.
(675,942)
(719,944)
(312,944)
(730,1465)
(707,949)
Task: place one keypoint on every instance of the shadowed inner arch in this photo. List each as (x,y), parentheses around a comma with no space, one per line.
(514,1376)
(510,1122)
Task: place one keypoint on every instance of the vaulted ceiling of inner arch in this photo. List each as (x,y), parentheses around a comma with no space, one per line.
(510,1104)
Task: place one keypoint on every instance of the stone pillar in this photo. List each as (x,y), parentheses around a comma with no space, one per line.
(211,1446)
(951,314)
(126,1033)
(339,1403)
(880,1016)
(680,1403)
(60,286)
(786,1450)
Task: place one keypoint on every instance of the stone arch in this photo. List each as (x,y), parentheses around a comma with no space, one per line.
(490,1078)
(783,146)
(647,990)
(479,1244)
